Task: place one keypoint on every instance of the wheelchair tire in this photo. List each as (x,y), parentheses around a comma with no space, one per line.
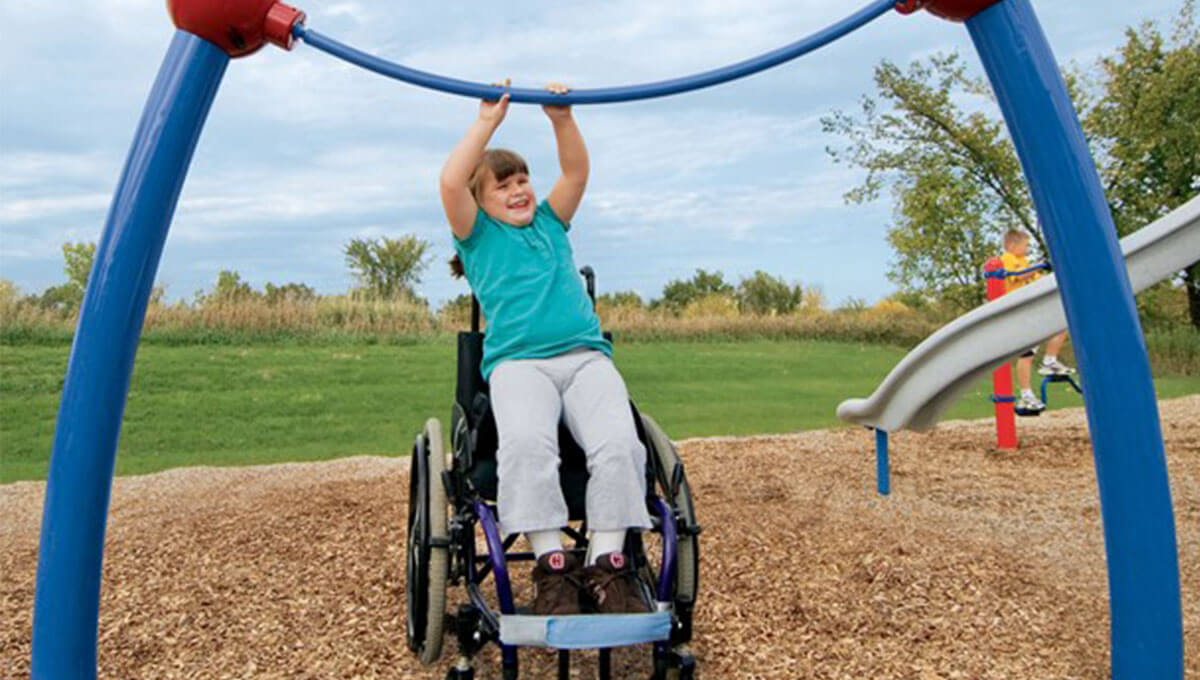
(688,548)
(426,549)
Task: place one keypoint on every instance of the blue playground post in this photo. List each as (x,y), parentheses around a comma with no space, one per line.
(67,599)
(882,475)
(1135,498)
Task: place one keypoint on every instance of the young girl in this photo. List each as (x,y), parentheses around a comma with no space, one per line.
(546,361)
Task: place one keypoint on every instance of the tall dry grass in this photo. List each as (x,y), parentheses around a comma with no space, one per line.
(336,319)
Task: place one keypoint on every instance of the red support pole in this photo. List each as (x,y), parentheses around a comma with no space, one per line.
(1002,396)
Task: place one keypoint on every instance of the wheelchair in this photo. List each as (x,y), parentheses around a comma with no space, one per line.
(452,497)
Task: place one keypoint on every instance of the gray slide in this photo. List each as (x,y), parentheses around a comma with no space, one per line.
(927,381)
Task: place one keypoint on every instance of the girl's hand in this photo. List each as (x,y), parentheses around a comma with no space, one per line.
(557,112)
(494,111)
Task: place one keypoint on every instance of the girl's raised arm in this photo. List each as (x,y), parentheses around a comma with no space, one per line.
(457,200)
(564,198)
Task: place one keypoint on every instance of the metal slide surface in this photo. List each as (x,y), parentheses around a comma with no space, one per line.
(932,376)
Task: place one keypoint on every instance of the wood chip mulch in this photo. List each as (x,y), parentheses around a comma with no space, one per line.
(980,565)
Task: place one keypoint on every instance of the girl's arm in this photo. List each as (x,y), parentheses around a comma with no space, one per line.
(457,201)
(572,158)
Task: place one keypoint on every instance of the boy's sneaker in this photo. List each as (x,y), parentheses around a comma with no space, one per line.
(1030,403)
(1055,367)
(614,588)
(557,580)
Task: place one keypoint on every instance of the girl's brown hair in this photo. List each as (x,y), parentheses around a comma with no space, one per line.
(502,164)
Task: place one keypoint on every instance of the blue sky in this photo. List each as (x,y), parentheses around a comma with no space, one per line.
(302,153)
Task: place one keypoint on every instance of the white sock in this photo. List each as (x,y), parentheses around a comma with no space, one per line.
(603,542)
(1027,393)
(545,541)
(1049,359)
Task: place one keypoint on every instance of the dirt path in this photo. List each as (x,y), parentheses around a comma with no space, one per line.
(980,565)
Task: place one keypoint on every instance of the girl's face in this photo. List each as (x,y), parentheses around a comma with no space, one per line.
(509,200)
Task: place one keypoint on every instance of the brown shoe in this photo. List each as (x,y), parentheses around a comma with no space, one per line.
(556,584)
(614,588)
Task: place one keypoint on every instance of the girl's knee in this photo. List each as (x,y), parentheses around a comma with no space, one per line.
(619,451)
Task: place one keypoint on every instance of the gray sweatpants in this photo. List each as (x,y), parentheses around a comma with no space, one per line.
(583,389)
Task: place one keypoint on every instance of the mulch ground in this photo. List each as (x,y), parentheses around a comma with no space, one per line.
(980,564)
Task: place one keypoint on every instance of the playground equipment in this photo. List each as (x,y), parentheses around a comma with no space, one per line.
(1002,396)
(442,552)
(920,388)
(1147,628)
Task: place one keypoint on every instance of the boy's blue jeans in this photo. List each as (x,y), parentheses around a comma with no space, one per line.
(582,389)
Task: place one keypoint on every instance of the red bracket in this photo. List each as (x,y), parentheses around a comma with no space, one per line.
(954,10)
(238,28)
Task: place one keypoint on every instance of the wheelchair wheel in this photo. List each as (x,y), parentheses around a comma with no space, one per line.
(673,482)
(425,585)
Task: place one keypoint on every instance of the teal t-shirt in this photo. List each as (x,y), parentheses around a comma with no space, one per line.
(530,293)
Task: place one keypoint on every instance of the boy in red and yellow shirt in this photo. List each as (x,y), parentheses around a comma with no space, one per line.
(1016,247)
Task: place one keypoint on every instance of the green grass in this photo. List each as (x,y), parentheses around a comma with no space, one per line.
(264,403)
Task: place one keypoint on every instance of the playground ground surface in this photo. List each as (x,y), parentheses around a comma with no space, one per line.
(980,565)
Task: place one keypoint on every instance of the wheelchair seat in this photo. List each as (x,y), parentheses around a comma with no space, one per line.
(475,440)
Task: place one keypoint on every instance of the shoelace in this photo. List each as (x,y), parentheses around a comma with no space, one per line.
(596,586)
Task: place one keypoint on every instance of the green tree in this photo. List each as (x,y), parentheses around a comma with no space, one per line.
(288,292)
(954,175)
(765,294)
(77,261)
(229,289)
(1145,128)
(77,264)
(621,298)
(388,268)
(678,294)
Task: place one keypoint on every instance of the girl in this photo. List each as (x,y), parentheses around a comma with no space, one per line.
(546,361)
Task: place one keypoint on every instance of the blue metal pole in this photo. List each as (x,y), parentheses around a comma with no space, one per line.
(882,474)
(607,95)
(67,598)
(1135,498)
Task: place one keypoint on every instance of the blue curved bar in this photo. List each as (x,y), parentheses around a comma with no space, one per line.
(67,597)
(606,95)
(1127,442)
(1001,274)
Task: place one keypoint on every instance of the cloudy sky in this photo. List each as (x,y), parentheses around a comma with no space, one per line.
(302,153)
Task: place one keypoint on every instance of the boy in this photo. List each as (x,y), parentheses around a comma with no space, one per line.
(1016,247)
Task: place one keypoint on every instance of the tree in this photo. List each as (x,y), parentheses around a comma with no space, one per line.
(765,294)
(388,268)
(678,294)
(1145,127)
(77,261)
(954,175)
(229,289)
(77,264)
(288,292)
(621,298)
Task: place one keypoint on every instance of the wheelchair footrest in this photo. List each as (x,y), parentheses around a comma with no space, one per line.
(585,631)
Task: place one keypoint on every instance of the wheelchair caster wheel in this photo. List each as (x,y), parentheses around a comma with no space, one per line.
(682,666)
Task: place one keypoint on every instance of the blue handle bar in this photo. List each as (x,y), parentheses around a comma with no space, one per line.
(605,95)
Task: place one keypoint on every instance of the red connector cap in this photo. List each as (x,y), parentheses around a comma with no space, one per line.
(954,10)
(238,27)
(281,19)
